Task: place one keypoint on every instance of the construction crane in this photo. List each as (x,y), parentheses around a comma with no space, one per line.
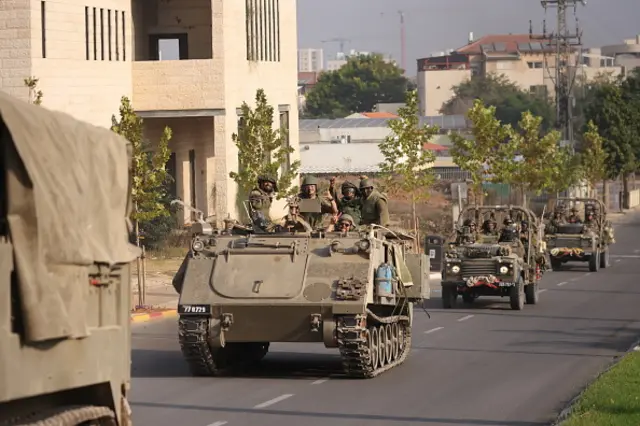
(340,40)
(403,43)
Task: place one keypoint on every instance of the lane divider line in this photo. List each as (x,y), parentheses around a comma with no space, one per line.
(465,318)
(274,400)
(561,284)
(220,423)
(318,382)
(542,291)
(433,330)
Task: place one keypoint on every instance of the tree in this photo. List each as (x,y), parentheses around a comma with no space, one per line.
(148,164)
(476,155)
(358,86)
(263,150)
(407,162)
(594,157)
(35,95)
(498,91)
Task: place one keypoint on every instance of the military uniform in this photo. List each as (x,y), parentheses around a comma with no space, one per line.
(259,199)
(315,219)
(374,206)
(349,206)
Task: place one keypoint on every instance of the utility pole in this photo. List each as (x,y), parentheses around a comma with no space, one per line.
(403,43)
(564,44)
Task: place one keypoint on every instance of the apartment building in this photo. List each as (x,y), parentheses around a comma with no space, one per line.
(626,54)
(187,64)
(310,60)
(518,57)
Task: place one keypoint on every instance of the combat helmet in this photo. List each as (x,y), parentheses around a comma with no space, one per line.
(268,178)
(366,183)
(310,180)
(347,218)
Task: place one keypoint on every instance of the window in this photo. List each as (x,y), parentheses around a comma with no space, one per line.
(43,25)
(117,34)
(102,34)
(534,65)
(95,36)
(168,47)
(124,40)
(109,32)
(262,27)
(86,34)
(504,65)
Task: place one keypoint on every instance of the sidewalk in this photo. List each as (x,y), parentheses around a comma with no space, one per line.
(161,298)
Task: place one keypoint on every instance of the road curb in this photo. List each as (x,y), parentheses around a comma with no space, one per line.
(152,316)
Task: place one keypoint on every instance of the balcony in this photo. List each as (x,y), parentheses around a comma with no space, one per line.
(178,85)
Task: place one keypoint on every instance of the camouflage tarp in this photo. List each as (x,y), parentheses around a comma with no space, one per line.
(67,205)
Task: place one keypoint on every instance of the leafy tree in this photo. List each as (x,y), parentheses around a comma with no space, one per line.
(498,91)
(476,155)
(407,163)
(262,150)
(149,161)
(357,86)
(594,157)
(35,95)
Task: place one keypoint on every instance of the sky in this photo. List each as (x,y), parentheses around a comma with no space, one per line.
(437,25)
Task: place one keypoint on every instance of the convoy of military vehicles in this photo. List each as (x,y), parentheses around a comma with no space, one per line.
(65,278)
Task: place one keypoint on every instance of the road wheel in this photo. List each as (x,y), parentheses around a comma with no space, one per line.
(373,347)
(604,259)
(594,261)
(531,294)
(382,346)
(395,340)
(449,296)
(516,295)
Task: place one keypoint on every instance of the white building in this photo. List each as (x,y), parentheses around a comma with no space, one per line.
(310,60)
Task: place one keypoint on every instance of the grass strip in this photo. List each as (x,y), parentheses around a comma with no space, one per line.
(613,399)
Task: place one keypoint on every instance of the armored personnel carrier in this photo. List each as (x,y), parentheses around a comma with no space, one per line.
(584,237)
(508,263)
(65,342)
(242,288)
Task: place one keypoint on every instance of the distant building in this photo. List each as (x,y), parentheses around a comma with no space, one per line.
(310,60)
(374,114)
(626,54)
(519,57)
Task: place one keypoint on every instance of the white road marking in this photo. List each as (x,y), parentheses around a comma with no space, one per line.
(617,260)
(587,274)
(574,279)
(274,400)
(317,382)
(218,423)
(625,256)
(542,291)
(433,330)
(562,283)
(465,318)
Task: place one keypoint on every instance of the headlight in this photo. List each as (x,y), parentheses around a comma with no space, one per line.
(455,269)
(504,269)
(197,245)
(364,245)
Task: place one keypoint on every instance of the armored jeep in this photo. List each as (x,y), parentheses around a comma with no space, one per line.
(242,289)
(508,264)
(580,239)
(65,338)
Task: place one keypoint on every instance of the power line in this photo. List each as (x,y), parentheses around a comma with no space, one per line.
(564,44)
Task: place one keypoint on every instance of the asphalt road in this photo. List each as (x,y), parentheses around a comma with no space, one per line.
(486,365)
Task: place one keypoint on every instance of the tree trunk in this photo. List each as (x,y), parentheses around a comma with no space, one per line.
(414,216)
(625,191)
(605,193)
(525,201)
(139,265)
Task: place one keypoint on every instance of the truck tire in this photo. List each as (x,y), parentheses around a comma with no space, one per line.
(604,258)
(449,296)
(531,294)
(594,261)
(516,295)
(556,264)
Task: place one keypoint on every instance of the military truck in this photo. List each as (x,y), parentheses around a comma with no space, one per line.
(494,265)
(353,290)
(580,241)
(65,343)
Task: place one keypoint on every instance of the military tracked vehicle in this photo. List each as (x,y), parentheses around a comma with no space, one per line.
(65,286)
(580,239)
(508,264)
(244,287)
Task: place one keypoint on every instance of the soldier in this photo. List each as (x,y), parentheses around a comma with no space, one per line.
(469,238)
(327,204)
(350,203)
(489,227)
(293,221)
(345,224)
(261,197)
(574,217)
(374,205)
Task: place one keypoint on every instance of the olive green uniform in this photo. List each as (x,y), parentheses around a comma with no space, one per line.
(352,207)
(315,219)
(375,209)
(260,201)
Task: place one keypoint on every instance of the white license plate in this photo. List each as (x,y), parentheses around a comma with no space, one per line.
(506,284)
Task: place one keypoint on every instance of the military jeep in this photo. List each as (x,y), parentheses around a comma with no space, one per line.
(580,241)
(489,265)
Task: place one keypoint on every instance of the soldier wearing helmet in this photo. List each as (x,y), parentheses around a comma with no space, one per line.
(309,190)
(261,197)
(574,217)
(374,205)
(471,236)
(489,227)
(345,224)
(351,201)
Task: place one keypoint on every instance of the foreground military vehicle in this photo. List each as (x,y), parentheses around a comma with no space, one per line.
(240,290)
(581,242)
(65,351)
(486,265)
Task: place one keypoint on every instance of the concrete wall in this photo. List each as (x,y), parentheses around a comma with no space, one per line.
(89,89)
(15,46)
